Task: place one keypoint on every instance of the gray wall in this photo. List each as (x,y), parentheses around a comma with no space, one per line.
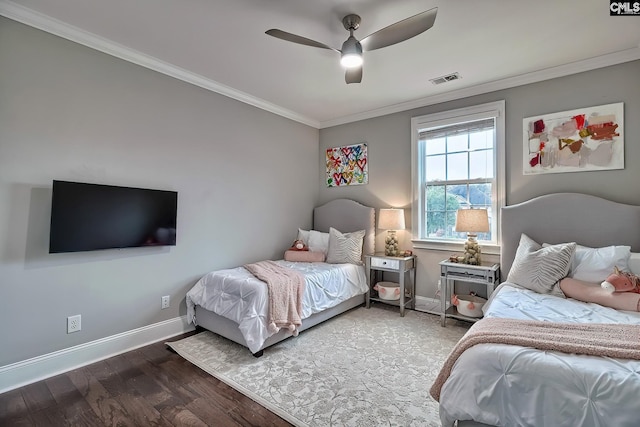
(246,180)
(389,145)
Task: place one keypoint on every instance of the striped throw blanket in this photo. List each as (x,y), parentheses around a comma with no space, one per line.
(286,288)
(593,339)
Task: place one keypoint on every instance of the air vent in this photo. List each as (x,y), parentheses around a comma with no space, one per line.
(445,79)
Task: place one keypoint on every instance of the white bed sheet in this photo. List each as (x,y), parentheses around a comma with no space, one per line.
(237,295)
(507,385)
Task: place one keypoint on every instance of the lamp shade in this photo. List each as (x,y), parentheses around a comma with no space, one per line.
(472,220)
(391,219)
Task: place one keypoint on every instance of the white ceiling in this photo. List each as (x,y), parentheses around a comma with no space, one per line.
(221,45)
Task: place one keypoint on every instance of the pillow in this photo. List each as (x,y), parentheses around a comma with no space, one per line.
(540,268)
(634,263)
(596,264)
(315,240)
(318,242)
(303,256)
(304,236)
(345,247)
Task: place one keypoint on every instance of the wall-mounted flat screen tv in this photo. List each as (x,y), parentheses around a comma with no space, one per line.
(88,217)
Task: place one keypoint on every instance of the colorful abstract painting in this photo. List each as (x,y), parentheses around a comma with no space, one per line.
(347,165)
(586,139)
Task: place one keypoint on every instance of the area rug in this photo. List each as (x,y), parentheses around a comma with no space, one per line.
(366,367)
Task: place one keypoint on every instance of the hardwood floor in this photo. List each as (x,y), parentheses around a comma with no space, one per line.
(150,386)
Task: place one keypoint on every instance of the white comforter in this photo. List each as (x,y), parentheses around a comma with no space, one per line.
(506,385)
(237,295)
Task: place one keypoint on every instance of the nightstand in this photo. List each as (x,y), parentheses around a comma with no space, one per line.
(377,264)
(487,274)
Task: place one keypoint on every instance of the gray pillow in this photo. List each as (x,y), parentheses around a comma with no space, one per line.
(345,247)
(541,268)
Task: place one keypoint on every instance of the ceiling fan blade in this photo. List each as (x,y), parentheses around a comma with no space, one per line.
(400,31)
(353,75)
(297,39)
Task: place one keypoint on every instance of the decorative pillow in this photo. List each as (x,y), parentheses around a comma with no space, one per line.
(315,240)
(595,264)
(540,268)
(303,256)
(345,247)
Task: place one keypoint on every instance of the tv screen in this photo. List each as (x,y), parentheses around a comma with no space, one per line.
(88,217)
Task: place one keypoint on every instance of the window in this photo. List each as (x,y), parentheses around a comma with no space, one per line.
(457,162)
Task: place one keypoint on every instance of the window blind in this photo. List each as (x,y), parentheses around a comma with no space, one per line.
(458,128)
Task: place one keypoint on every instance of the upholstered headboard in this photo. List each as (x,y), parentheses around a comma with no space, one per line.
(346,216)
(568,217)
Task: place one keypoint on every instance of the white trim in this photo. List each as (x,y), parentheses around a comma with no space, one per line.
(602,61)
(491,109)
(46,23)
(41,367)
(454,246)
(53,26)
(430,305)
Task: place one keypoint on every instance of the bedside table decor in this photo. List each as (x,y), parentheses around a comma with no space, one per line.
(389,291)
(376,265)
(469,305)
(472,221)
(391,220)
(487,274)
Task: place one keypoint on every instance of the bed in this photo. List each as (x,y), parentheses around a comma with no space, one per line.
(238,310)
(509,385)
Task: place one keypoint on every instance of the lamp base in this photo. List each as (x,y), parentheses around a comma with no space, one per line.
(472,252)
(391,244)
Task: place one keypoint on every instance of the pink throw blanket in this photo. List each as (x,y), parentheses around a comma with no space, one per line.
(285,288)
(594,339)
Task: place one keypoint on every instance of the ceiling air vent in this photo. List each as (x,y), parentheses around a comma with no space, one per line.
(445,79)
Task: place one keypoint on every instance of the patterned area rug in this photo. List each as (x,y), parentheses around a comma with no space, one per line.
(366,367)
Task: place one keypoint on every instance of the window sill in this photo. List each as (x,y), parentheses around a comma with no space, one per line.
(440,245)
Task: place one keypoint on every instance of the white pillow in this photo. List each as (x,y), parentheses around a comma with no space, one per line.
(596,264)
(318,242)
(345,247)
(634,263)
(304,236)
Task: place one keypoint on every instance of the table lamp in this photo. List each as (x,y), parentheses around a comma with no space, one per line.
(472,221)
(391,220)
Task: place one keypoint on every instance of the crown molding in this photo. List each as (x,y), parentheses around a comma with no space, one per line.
(48,24)
(53,26)
(523,79)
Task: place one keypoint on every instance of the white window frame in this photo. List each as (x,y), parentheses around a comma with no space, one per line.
(492,109)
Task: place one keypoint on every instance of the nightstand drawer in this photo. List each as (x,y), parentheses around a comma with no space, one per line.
(391,264)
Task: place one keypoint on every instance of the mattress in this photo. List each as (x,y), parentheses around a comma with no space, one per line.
(237,295)
(507,385)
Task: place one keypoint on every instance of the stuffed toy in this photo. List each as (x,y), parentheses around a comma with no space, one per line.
(619,281)
(298,245)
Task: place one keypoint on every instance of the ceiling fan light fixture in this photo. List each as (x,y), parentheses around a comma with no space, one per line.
(351,53)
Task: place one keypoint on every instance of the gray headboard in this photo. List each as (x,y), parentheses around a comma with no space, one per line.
(346,216)
(568,217)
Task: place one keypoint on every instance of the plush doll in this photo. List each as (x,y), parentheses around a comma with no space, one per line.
(619,281)
(298,245)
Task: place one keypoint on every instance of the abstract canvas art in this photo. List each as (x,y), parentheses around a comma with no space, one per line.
(586,139)
(347,165)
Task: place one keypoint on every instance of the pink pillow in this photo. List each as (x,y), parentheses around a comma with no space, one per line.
(304,256)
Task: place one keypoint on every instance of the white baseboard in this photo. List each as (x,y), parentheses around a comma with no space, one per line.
(41,367)
(429,305)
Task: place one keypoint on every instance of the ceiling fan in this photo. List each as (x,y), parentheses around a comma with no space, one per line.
(351,52)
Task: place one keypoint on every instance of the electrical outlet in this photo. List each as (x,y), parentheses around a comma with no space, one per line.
(74,323)
(166,301)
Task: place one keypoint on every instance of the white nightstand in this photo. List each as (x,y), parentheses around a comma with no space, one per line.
(378,263)
(487,274)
